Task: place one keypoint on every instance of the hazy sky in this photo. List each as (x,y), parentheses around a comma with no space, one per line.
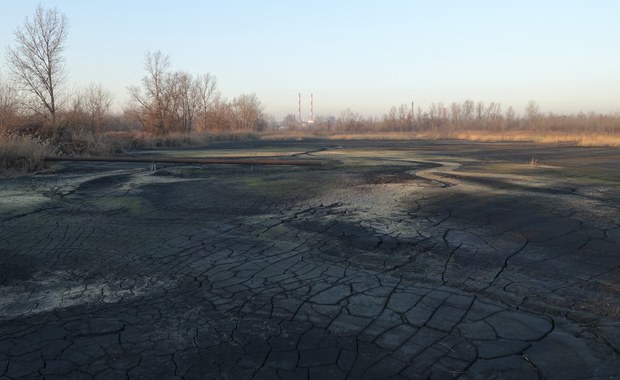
(363,55)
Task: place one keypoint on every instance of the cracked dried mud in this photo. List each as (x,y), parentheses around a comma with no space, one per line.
(391,260)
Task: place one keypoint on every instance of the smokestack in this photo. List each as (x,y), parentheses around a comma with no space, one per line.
(299,106)
(311,107)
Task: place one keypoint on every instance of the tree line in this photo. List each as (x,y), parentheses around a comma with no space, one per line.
(174,101)
(472,116)
(165,102)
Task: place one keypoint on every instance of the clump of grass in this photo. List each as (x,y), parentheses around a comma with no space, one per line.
(23,154)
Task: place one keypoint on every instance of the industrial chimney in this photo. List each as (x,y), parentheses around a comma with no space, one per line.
(311,109)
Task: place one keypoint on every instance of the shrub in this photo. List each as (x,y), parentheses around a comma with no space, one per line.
(73,141)
(21,154)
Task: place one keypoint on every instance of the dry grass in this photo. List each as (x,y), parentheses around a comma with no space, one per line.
(22,154)
(594,139)
(309,134)
(294,135)
(577,139)
(377,136)
(599,140)
(75,142)
(146,140)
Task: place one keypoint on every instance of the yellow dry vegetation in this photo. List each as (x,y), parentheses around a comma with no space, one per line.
(591,139)
(22,154)
(577,139)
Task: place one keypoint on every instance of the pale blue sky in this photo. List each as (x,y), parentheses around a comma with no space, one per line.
(363,55)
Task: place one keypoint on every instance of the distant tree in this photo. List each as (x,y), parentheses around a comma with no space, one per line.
(455,114)
(182,101)
(290,122)
(268,122)
(390,120)
(36,61)
(208,96)
(8,105)
(531,111)
(220,117)
(88,107)
(436,114)
(74,110)
(398,119)
(96,104)
(480,113)
(405,118)
(324,123)
(494,118)
(248,112)
(467,112)
(511,117)
(351,121)
(150,99)
(173,101)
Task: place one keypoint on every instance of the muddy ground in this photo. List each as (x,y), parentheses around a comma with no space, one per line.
(391,260)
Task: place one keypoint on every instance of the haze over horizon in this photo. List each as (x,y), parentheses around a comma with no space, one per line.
(362,55)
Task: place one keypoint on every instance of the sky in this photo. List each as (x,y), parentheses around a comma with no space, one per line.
(366,56)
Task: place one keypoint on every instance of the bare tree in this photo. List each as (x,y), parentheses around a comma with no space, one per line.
(96,103)
(37,62)
(8,105)
(248,112)
(350,121)
(173,101)
(88,107)
(436,114)
(511,117)
(456,114)
(467,112)
(182,101)
(390,120)
(75,114)
(405,117)
(531,110)
(208,96)
(399,119)
(150,99)
(480,112)
(221,117)
(290,122)
(494,118)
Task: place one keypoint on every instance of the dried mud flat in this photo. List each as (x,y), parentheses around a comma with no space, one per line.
(392,260)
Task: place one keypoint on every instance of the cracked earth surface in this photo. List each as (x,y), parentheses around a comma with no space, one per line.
(392,260)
